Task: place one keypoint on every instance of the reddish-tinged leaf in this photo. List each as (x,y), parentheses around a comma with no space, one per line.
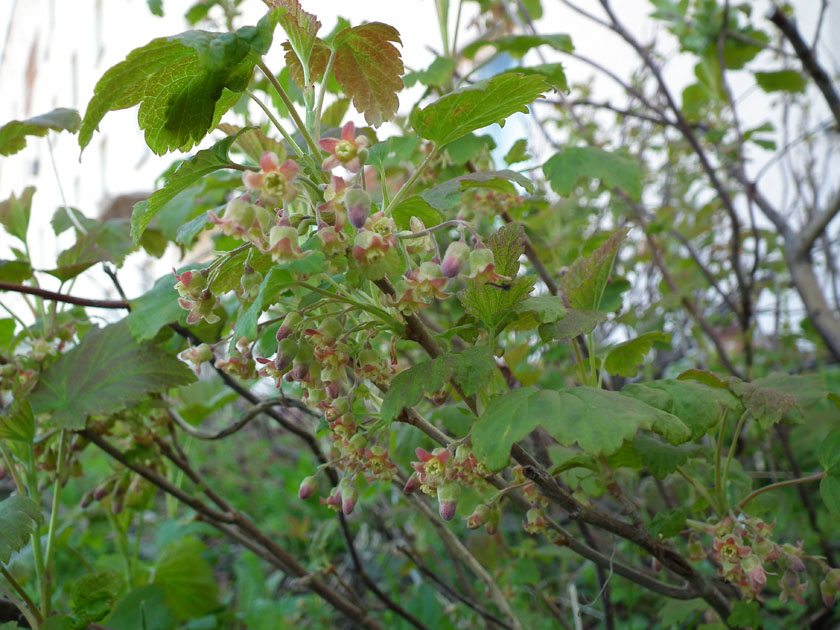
(368,67)
(318,59)
(585,281)
(300,26)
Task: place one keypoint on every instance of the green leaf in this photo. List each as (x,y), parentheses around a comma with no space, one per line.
(186,578)
(81,256)
(508,419)
(188,174)
(416,206)
(553,73)
(92,595)
(586,279)
(18,517)
(745,615)
(625,358)
(183,84)
(156,7)
(15,211)
(438,73)
(767,405)
(661,458)
(105,373)
(144,608)
(15,271)
(697,405)
(678,611)
(476,106)
(469,147)
(494,304)
(829,452)
(470,369)
(619,170)
(830,491)
(334,113)
(155,309)
(17,423)
(597,420)
(58,622)
(272,285)
(518,152)
(449,194)
(575,322)
(517,45)
(190,230)
(7,331)
(781,81)
(368,67)
(668,523)
(13,134)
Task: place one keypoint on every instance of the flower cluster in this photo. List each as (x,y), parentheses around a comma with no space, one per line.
(196,297)
(440,474)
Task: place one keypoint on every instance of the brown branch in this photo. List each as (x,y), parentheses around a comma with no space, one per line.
(809,61)
(60,297)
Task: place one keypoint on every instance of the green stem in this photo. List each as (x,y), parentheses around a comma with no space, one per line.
(122,544)
(22,607)
(731,453)
(454,50)
(593,373)
(13,471)
(53,523)
(579,362)
(276,123)
(443,21)
(316,151)
(18,320)
(30,605)
(402,192)
(718,450)
(781,484)
(381,314)
(37,552)
(322,90)
(699,488)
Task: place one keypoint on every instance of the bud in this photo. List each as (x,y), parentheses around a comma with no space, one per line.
(250,283)
(412,484)
(456,256)
(290,323)
(240,212)
(87,499)
(448,495)
(358,203)
(307,487)
(349,496)
(362,153)
(287,350)
(330,330)
(478,517)
(358,442)
(104,489)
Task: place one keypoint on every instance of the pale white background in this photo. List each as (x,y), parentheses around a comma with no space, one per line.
(54,51)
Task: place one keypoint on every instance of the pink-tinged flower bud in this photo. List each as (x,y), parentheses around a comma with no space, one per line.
(358,442)
(358,203)
(828,591)
(334,500)
(87,499)
(479,516)
(333,389)
(307,487)
(250,283)
(349,496)
(412,484)
(287,350)
(448,495)
(241,212)
(289,325)
(104,489)
(456,256)
(656,565)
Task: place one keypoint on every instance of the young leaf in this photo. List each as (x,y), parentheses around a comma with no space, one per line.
(585,281)
(15,271)
(438,73)
(517,45)
(668,523)
(319,56)
(545,308)
(625,358)
(470,369)
(93,595)
(83,255)
(565,169)
(189,173)
(183,84)
(830,491)
(493,304)
(106,372)
(15,211)
(476,106)
(18,516)
(448,194)
(416,206)
(143,608)
(13,134)
(518,152)
(368,67)
(17,422)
